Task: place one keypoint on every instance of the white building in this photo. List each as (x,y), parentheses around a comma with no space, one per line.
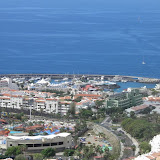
(60,142)
(16,101)
(48,105)
(7,83)
(51,105)
(64,106)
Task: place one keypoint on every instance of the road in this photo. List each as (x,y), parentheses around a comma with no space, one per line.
(127,142)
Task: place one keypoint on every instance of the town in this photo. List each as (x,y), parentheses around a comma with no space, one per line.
(78,117)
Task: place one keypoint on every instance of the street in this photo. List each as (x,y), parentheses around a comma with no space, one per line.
(127,142)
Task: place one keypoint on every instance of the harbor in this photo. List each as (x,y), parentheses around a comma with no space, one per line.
(114,78)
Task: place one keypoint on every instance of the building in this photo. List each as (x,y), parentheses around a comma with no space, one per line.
(64,106)
(34,144)
(93,96)
(7,83)
(48,105)
(137,109)
(125,99)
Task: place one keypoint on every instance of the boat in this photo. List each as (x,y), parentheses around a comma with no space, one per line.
(143,62)
(57,80)
(65,79)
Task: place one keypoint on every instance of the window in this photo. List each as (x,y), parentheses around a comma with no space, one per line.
(46,144)
(53,144)
(37,145)
(29,145)
(60,143)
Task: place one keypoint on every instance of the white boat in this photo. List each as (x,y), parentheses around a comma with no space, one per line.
(48,79)
(65,79)
(143,62)
(57,80)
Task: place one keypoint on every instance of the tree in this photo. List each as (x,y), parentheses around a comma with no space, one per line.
(145,147)
(85,113)
(132,114)
(62,129)
(13,151)
(31,133)
(38,156)
(48,152)
(78,99)
(20,157)
(23,148)
(68,152)
(99,103)
(133,148)
(72,109)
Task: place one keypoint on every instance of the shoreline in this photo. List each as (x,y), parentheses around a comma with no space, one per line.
(70,76)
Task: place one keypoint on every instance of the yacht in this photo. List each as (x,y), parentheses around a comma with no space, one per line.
(65,79)
(143,62)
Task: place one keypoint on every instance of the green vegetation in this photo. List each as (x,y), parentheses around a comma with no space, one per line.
(139,128)
(20,157)
(78,99)
(37,156)
(80,126)
(48,152)
(144,147)
(19,116)
(13,151)
(68,152)
(88,152)
(143,129)
(154,92)
(58,93)
(72,110)
(99,103)
(85,113)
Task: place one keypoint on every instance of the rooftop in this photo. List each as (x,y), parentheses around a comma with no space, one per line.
(39,137)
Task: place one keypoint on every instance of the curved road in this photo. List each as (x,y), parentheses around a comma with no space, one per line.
(127,140)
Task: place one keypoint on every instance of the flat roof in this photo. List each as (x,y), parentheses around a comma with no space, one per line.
(38,137)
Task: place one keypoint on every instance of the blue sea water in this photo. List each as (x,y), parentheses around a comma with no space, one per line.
(124,86)
(80,36)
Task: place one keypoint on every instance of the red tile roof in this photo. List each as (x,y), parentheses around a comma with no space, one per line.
(3,121)
(87,95)
(6,94)
(16,96)
(139,107)
(34,127)
(50,99)
(4,98)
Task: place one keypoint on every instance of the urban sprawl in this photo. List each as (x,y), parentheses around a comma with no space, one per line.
(78,118)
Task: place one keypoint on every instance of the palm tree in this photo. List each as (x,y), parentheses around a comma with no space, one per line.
(23,148)
(41,110)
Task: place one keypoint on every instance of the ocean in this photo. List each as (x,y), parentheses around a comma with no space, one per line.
(80,37)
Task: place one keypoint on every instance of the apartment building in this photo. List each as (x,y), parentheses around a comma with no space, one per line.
(125,99)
